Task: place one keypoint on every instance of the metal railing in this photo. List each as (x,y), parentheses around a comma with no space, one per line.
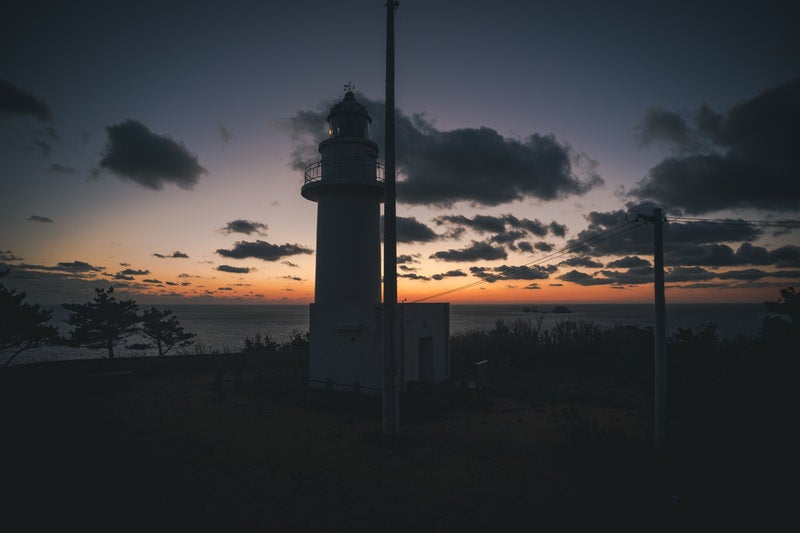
(360,169)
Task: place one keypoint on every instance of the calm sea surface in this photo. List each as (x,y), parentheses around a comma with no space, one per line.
(223,328)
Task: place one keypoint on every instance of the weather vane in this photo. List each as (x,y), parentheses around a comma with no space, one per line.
(349,87)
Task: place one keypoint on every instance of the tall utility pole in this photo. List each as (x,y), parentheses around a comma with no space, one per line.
(657,218)
(660,422)
(391,397)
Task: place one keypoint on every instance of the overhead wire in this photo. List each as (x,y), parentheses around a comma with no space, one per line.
(571,248)
(789,224)
(605,235)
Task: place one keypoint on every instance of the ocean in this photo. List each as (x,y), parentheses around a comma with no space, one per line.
(223,328)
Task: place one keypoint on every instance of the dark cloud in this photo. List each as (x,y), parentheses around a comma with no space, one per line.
(687,243)
(449,274)
(506,272)
(558,230)
(233,269)
(37,218)
(474,252)
(751,161)
(263,250)
(410,230)
(73,267)
(79,266)
(407,268)
(532,287)
(224,134)
(173,255)
(153,281)
(660,125)
(525,246)
(225,289)
(412,275)
(134,272)
(245,226)
(290,264)
(6,255)
(786,256)
(44,146)
(401,259)
(134,152)
(479,223)
(633,276)
(581,261)
(628,262)
(292,278)
(17,101)
(681,273)
(535,226)
(476,165)
(61,169)
(723,255)
(581,278)
(523,272)
(747,274)
(506,228)
(123,277)
(508,237)
(544,246)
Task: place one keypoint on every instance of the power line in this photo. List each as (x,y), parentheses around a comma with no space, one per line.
(600,237)
(608,234)
(789,224)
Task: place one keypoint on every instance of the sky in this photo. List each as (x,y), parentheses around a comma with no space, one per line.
(159,147)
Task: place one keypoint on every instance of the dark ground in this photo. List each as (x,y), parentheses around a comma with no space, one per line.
(170,451)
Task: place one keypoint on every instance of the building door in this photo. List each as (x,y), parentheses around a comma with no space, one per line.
(426,360)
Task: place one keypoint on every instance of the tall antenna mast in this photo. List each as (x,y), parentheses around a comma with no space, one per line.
(391,397)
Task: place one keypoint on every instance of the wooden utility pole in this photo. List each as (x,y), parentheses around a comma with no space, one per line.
(660,422)
(657,218)
(391,396)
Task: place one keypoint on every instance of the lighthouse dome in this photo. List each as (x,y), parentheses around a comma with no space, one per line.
(349,118)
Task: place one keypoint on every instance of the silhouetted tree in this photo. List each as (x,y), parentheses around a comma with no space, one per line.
(297,341)
(163,328)
(23,325)
(788,304)
(776,329)
(259,344)
(103,322)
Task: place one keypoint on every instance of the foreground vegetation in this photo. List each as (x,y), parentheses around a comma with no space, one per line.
(100,324)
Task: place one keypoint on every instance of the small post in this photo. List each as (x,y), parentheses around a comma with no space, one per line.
(329,392)
(218,376)
(356,398)
(238,379)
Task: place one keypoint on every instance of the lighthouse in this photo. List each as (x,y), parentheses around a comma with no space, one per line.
(345,318)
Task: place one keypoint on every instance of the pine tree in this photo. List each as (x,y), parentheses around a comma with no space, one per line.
(163,328)
(104,322)
(23,326)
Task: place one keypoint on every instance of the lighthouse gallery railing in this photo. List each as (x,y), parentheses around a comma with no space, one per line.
(315,171)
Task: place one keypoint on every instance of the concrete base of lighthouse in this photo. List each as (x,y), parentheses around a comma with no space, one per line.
(347,346)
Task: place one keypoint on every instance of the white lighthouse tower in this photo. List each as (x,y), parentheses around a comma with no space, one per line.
(347,184)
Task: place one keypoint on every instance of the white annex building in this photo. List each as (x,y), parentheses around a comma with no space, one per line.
(346,327)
